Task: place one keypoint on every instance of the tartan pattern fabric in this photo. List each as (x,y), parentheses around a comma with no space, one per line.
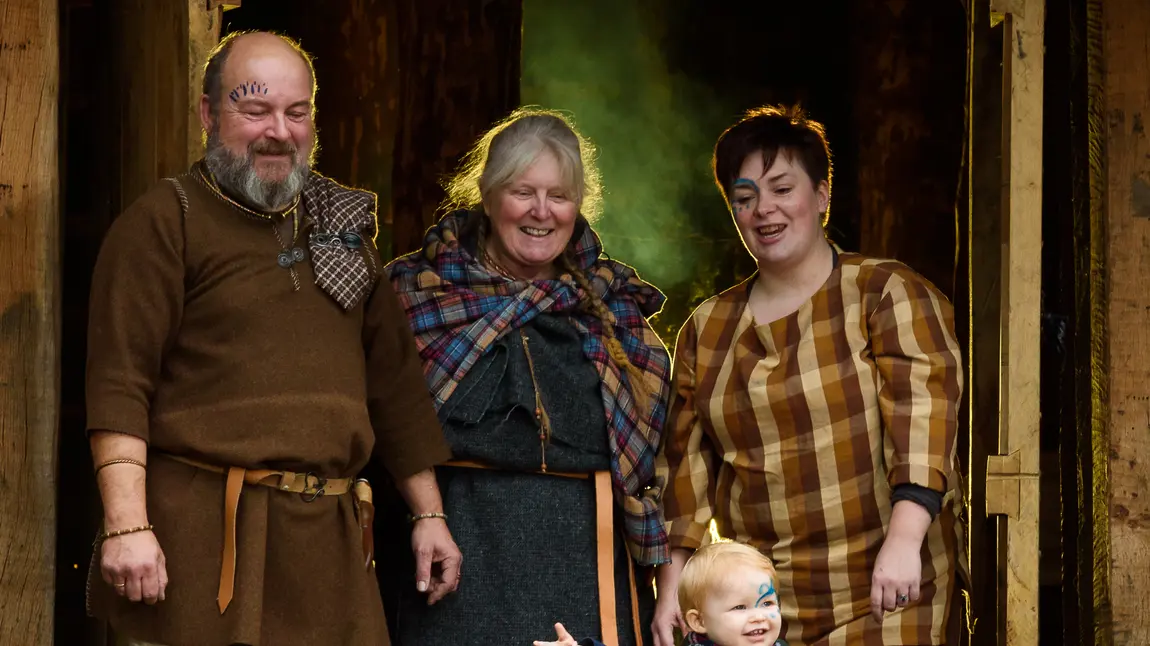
(458,309)
(344,225)
(790,435)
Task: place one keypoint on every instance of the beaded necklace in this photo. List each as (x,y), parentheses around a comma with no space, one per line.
(288,255)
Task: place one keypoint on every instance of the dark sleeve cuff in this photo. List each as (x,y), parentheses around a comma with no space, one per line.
(928,499)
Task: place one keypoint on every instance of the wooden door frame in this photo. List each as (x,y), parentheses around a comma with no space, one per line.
(29,318)
(1012,472)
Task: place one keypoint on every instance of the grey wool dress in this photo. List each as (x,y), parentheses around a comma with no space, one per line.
(528,539)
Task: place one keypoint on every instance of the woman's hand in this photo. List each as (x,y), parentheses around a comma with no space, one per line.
(896,577)
(668,615)
(133,564)
(563,638)
(667,618)
(898,569)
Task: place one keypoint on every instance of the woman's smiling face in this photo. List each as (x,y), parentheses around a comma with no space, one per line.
(533,219)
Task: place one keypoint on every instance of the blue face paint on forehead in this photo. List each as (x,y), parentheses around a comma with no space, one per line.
(765,590)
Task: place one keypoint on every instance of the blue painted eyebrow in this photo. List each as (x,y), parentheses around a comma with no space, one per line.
(765,590)
(746,183)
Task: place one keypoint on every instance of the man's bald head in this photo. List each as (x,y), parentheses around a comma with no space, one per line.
(244,45)
(258,116)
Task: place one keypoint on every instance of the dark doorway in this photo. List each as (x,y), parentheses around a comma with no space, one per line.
(406,86)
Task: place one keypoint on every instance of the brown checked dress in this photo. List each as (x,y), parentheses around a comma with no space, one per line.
(791,435)
(205,346)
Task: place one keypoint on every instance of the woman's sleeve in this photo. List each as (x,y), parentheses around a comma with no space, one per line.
(919,381)
(686,462)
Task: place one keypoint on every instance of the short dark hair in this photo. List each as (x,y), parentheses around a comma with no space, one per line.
(214,68)
(768,130)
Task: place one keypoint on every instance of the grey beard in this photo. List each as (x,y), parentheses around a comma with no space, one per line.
(237,176)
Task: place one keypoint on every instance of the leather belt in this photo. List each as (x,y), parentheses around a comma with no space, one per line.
(309,485)
(604,551)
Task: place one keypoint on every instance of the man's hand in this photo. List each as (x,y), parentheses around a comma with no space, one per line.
(134,565)
(433,546)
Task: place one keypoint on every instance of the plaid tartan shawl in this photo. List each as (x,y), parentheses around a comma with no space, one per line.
(458,309)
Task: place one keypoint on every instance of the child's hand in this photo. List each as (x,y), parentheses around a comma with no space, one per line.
(564,638)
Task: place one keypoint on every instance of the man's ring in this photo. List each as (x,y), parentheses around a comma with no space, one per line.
(902,598)
(121,585)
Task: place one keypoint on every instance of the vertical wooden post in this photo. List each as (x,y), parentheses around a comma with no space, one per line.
(984,261)
(1126,41)
(1012,476)
(29,319)
(161,52)
(204,19)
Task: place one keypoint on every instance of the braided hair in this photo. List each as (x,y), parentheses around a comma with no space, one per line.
(592,304)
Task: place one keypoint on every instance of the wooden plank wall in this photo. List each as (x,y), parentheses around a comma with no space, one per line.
(29,319)
(1126,43)
(471,50)
(907,78)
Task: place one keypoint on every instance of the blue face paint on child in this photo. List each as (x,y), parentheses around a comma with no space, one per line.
(765,590)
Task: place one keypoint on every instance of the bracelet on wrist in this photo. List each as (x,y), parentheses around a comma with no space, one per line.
(418,517)
(121,461)
(120,532)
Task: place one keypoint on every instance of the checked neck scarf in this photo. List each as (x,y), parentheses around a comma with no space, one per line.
(458,309)
(341,242)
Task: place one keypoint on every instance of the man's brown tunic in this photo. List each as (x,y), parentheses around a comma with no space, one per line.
(200,344)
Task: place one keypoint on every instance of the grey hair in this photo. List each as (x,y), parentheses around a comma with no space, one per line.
(505,151)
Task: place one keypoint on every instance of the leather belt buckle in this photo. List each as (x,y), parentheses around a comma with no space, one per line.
(311,492)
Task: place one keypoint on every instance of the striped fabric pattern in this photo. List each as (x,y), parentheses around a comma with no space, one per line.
(458,310)
(791,435)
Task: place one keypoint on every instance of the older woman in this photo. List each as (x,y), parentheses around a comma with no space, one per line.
(552,390)
(815,411)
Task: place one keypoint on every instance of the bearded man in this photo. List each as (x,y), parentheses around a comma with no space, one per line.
(246,360)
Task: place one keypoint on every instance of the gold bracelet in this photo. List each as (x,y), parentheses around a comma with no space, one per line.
(121,532)
(412,519)
(121,461)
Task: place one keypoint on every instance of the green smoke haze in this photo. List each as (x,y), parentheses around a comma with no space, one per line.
(601,61)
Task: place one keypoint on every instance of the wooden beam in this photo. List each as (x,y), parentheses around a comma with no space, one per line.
(984,261)
(161,49)
(29,319)
(203,35)
(1023,56)
(1126,38)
